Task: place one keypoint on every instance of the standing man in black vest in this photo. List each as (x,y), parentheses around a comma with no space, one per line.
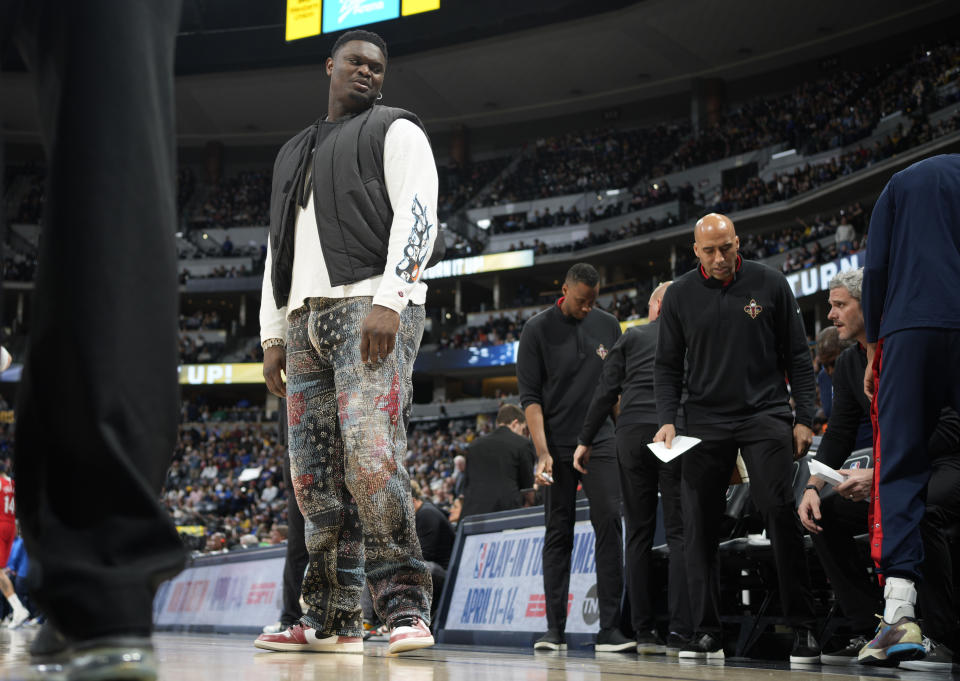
(733,328)
(559,361)
(352,225)
(628,375)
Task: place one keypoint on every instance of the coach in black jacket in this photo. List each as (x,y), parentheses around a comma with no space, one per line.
(559,361)
(628,374)
(738,326)
(499,466)
(836,519)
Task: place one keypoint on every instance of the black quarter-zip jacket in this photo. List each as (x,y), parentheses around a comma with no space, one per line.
(741,340)
(627,374)
(559,361)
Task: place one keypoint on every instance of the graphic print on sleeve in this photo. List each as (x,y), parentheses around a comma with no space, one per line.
(415,252)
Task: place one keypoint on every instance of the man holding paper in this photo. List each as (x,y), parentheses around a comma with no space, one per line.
(559,361)
(628,374)
(738,327)
(836,519)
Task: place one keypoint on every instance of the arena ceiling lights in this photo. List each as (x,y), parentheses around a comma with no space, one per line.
(306,18)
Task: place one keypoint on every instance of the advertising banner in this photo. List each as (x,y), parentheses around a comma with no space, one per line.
(229,594)
(499,583)
(816,279)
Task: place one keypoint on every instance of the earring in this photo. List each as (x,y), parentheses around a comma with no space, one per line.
(380,96)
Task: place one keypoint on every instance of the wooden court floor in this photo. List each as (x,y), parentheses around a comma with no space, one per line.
(233,658)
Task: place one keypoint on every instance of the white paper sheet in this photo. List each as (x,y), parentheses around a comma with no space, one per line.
(680,444)
(825,473)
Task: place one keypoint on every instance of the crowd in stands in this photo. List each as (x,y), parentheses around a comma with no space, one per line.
(223,272)
(755,192)
(18,266)
(635,227)
(186,184)
(642,197)
(459,184)
(587,161)
(215,444)
(497,330)
(240,201)
(430,458)
(201,321)
(195,349)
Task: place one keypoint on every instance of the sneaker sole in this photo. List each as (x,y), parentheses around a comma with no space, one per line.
(409,644)
(804,659)
(350,648)
(628,646)
(926,666)
(689,655)
(673,652)
(838,660)
(541,645)
(906,651)
(105,664)
(651,649)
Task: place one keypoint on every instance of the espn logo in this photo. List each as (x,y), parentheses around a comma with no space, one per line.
(537,605)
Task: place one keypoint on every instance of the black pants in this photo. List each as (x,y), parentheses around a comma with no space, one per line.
(641,475)
(860,597)
(602,485)
(766,444)
(98,404)
(296,558)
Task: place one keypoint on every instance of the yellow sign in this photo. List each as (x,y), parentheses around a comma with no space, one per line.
(218,374)
(192,530)
(303,18)
(633,322)
(409,7)
(7,416)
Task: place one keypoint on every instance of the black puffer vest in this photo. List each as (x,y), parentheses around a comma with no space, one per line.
(349,197)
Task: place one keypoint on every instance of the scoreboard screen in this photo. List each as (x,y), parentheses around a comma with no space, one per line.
(306,18)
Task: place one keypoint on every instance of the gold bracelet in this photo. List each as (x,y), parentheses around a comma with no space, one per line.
(273,343)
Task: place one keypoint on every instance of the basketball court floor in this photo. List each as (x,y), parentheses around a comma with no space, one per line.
(185,657)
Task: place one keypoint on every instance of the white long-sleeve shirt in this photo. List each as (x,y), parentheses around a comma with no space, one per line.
(411,178)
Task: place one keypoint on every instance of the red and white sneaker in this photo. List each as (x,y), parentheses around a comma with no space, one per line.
(300,638)
(409,633)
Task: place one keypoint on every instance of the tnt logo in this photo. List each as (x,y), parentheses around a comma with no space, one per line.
(261,593)
(591,606)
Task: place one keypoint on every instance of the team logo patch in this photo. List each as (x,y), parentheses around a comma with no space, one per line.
(602,351)
(753,309)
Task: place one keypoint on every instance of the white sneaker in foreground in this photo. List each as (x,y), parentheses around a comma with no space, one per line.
(409,633)
(299,638)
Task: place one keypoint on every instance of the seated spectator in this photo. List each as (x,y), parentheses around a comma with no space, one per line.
(436,537)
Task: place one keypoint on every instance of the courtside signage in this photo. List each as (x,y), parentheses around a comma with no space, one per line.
(499,583)
(242,594)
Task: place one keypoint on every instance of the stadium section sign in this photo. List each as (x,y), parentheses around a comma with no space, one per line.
(816,279)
